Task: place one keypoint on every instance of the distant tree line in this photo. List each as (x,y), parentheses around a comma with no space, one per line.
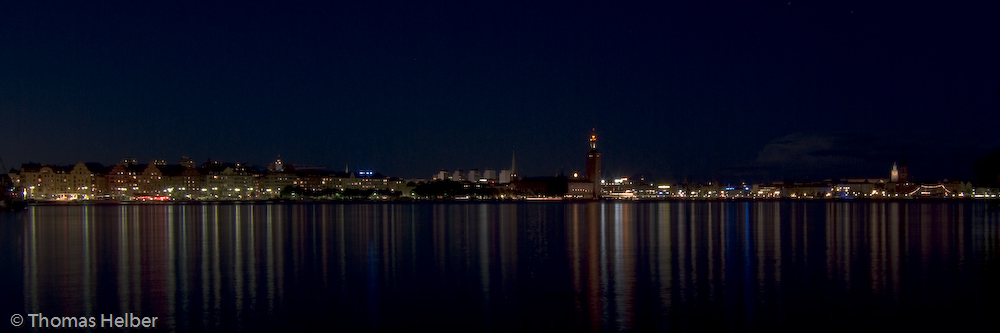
(447,189)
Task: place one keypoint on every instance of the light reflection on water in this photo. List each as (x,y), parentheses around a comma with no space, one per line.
(587,266)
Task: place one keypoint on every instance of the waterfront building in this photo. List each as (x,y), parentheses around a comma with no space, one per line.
(101,187)
(83,180)
(41,182)
(594,166)
(645,190)
(273,182)
(337,181)
(151,180)
(230,182)
(859,188)
(944,189)
(123,180)
(767,191)
(311,180)
(182,182)
(26,177)
(617,187)
(579,189)
(505,176)
(661,191)
(48,184)
(818,190)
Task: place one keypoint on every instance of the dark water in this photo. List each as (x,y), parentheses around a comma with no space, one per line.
(683,266)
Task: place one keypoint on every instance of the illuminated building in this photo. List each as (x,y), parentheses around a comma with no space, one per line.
(904,173)
(46,182)
(26,177)
(231,181)
(894,174)
(274,181)
(151,179)
(123,180)
(579,189)
(82,180)
(182,181)
(594,166)
(277,165)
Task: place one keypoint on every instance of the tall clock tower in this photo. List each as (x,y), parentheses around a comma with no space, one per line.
(594,165)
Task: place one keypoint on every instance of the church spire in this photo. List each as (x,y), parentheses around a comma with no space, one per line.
(513,165)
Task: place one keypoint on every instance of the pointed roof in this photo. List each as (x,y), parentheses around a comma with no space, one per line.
(513,162)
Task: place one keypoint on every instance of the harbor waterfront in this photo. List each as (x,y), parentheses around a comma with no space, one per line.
(508,266)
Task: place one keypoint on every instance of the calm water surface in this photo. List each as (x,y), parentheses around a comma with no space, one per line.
(682,266)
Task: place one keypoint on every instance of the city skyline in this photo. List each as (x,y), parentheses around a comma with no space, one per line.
(678,92)
(588,169)
(216,180)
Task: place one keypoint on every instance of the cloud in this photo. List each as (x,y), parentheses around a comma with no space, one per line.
(796,149)
(805,156)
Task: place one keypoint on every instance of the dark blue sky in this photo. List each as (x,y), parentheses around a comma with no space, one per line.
(678,91)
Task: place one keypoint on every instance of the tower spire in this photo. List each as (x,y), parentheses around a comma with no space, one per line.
(593,139)
(594,166)
(513,165)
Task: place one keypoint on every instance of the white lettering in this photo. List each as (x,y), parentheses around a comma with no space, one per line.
(109,319)
(133,320)
(130,320)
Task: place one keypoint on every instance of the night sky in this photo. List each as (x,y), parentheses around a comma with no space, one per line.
(683,91)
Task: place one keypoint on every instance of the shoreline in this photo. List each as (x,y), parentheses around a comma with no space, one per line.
(550,201)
